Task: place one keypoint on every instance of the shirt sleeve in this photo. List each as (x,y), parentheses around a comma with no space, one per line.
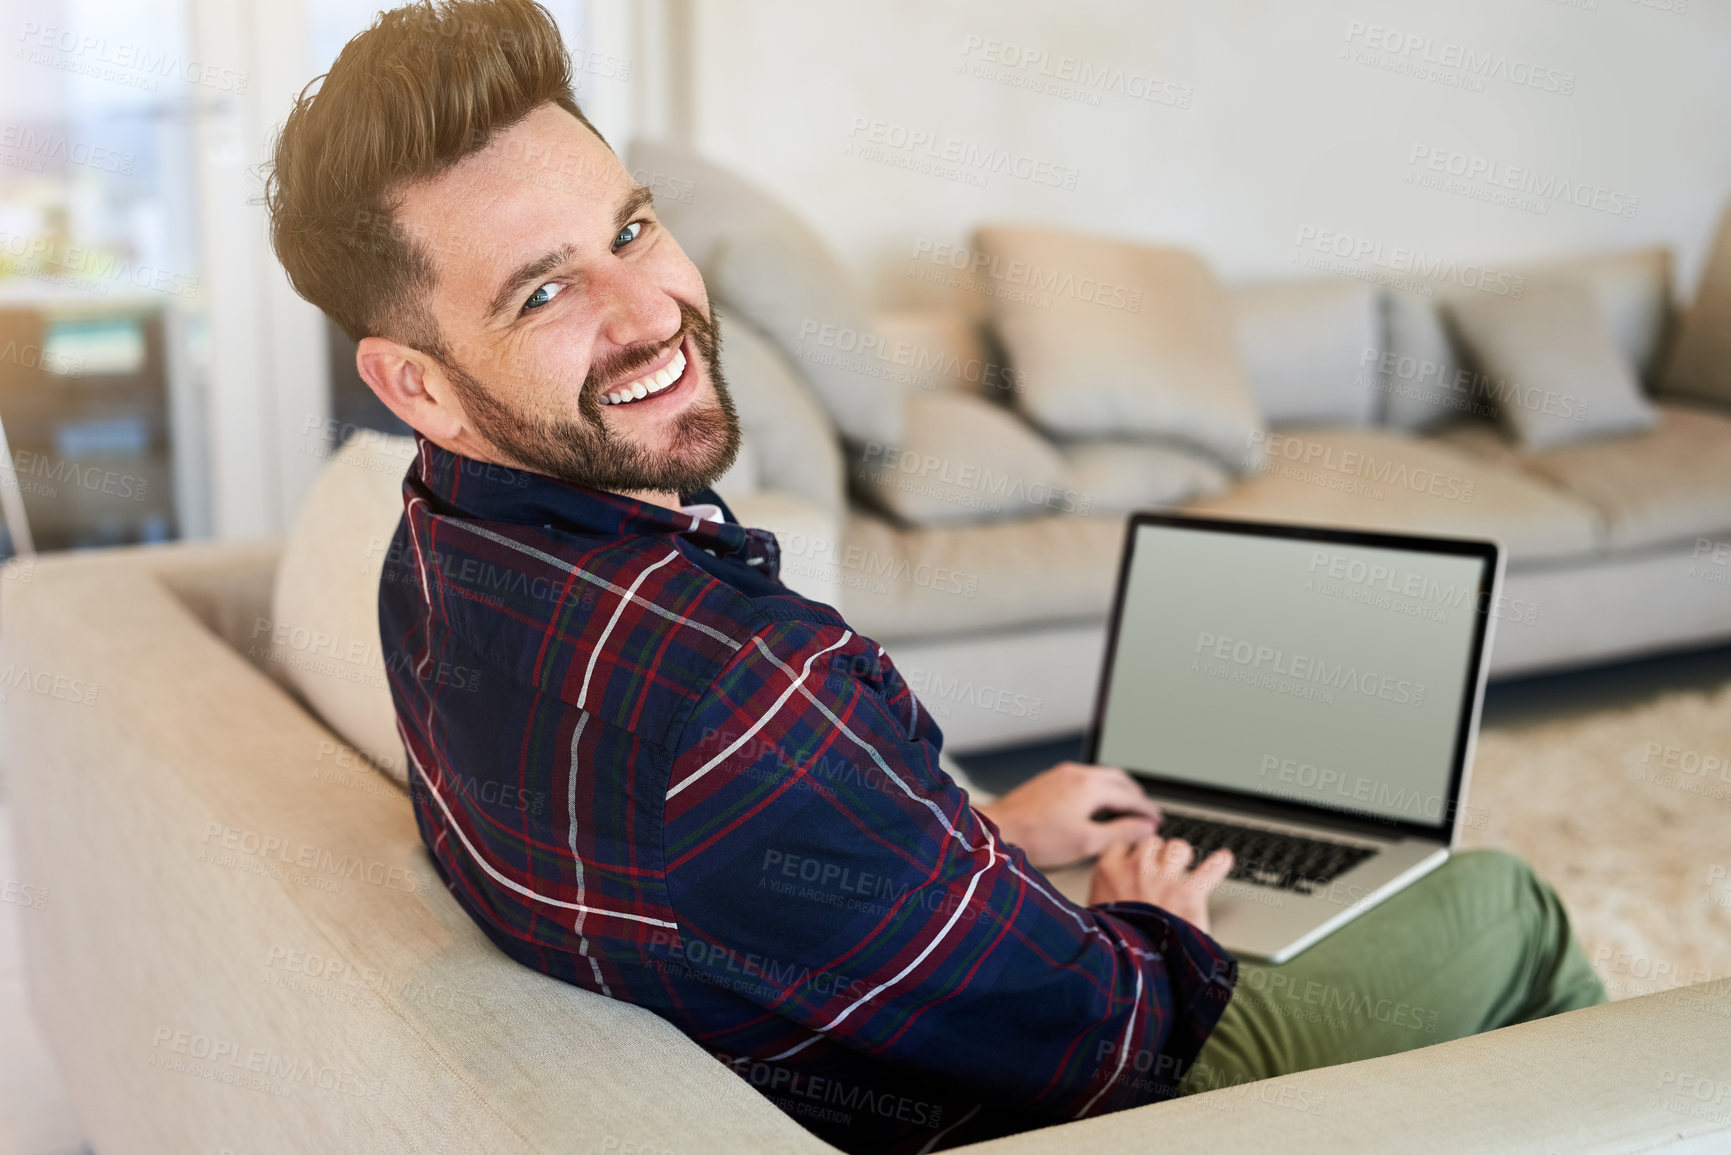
(808,824)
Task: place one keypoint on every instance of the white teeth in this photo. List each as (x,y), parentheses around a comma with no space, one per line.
(644,386)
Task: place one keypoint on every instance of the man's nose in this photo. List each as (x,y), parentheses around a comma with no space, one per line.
(638,310)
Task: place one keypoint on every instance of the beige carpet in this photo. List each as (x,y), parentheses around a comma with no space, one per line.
(1628,813)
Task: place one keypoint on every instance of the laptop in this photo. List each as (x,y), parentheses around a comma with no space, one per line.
(1308,698)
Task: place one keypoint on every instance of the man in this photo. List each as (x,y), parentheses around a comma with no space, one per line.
(676,782)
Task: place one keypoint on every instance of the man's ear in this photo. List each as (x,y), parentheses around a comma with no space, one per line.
(399,374)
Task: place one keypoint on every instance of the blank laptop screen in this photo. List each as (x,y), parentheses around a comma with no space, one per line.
(1310,671)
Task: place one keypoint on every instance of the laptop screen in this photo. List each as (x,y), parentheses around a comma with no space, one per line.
(1300,670)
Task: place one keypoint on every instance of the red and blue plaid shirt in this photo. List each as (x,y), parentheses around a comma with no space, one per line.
(646,767)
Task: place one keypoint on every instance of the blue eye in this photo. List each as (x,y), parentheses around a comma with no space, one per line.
(542,295)
(627,234)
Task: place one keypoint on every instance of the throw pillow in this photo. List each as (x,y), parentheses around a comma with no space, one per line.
(1548,363)
(792,288)
(964,460)
(1120,476)
(1112,338)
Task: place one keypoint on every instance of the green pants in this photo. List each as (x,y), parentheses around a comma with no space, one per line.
(1481,942)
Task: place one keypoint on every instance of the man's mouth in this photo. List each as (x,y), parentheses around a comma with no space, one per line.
(658,381)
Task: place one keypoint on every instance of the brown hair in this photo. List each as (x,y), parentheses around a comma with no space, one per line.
(427,85)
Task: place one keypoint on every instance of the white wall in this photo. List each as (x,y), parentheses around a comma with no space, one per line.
(1283,131)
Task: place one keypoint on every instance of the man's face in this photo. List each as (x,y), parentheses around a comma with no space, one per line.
(575,332)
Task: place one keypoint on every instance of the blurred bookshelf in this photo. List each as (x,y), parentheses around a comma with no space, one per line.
(85,400)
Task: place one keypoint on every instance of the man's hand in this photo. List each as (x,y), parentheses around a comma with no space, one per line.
(1050,816)
(1157,870)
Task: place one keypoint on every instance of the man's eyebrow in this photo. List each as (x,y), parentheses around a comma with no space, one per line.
(635,202)
(524,274)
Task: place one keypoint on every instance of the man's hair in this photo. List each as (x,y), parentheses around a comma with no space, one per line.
(427,85)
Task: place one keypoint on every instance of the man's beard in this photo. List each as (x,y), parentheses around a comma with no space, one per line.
(705,437)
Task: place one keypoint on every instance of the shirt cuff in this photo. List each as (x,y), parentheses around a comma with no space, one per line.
(1201,972)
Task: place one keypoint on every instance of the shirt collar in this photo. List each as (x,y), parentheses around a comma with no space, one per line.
(498,493)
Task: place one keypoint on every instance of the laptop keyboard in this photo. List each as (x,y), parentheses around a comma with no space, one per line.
(1267,857)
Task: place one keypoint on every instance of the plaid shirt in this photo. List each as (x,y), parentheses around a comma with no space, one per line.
(647,768)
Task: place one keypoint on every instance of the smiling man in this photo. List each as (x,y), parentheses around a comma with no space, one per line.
(740,820)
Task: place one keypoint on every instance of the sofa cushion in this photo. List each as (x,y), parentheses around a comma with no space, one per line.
(963,460)
(788,284)
(930,581)
(1547,361)
(1383,480)
(1700,361)
(792,437)
(1120,476)
(1665,485)
(325,607)
(1124,339)
(1304,347)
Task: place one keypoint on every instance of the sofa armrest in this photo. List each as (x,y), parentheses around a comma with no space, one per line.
(1638,1075)
(244,944)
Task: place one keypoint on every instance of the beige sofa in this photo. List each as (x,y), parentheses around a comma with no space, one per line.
(998,613)
(244,948)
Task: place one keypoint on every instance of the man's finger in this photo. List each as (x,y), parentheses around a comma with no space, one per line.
(1177,854)
(1124,794)
(1213,870)
(1119,833)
